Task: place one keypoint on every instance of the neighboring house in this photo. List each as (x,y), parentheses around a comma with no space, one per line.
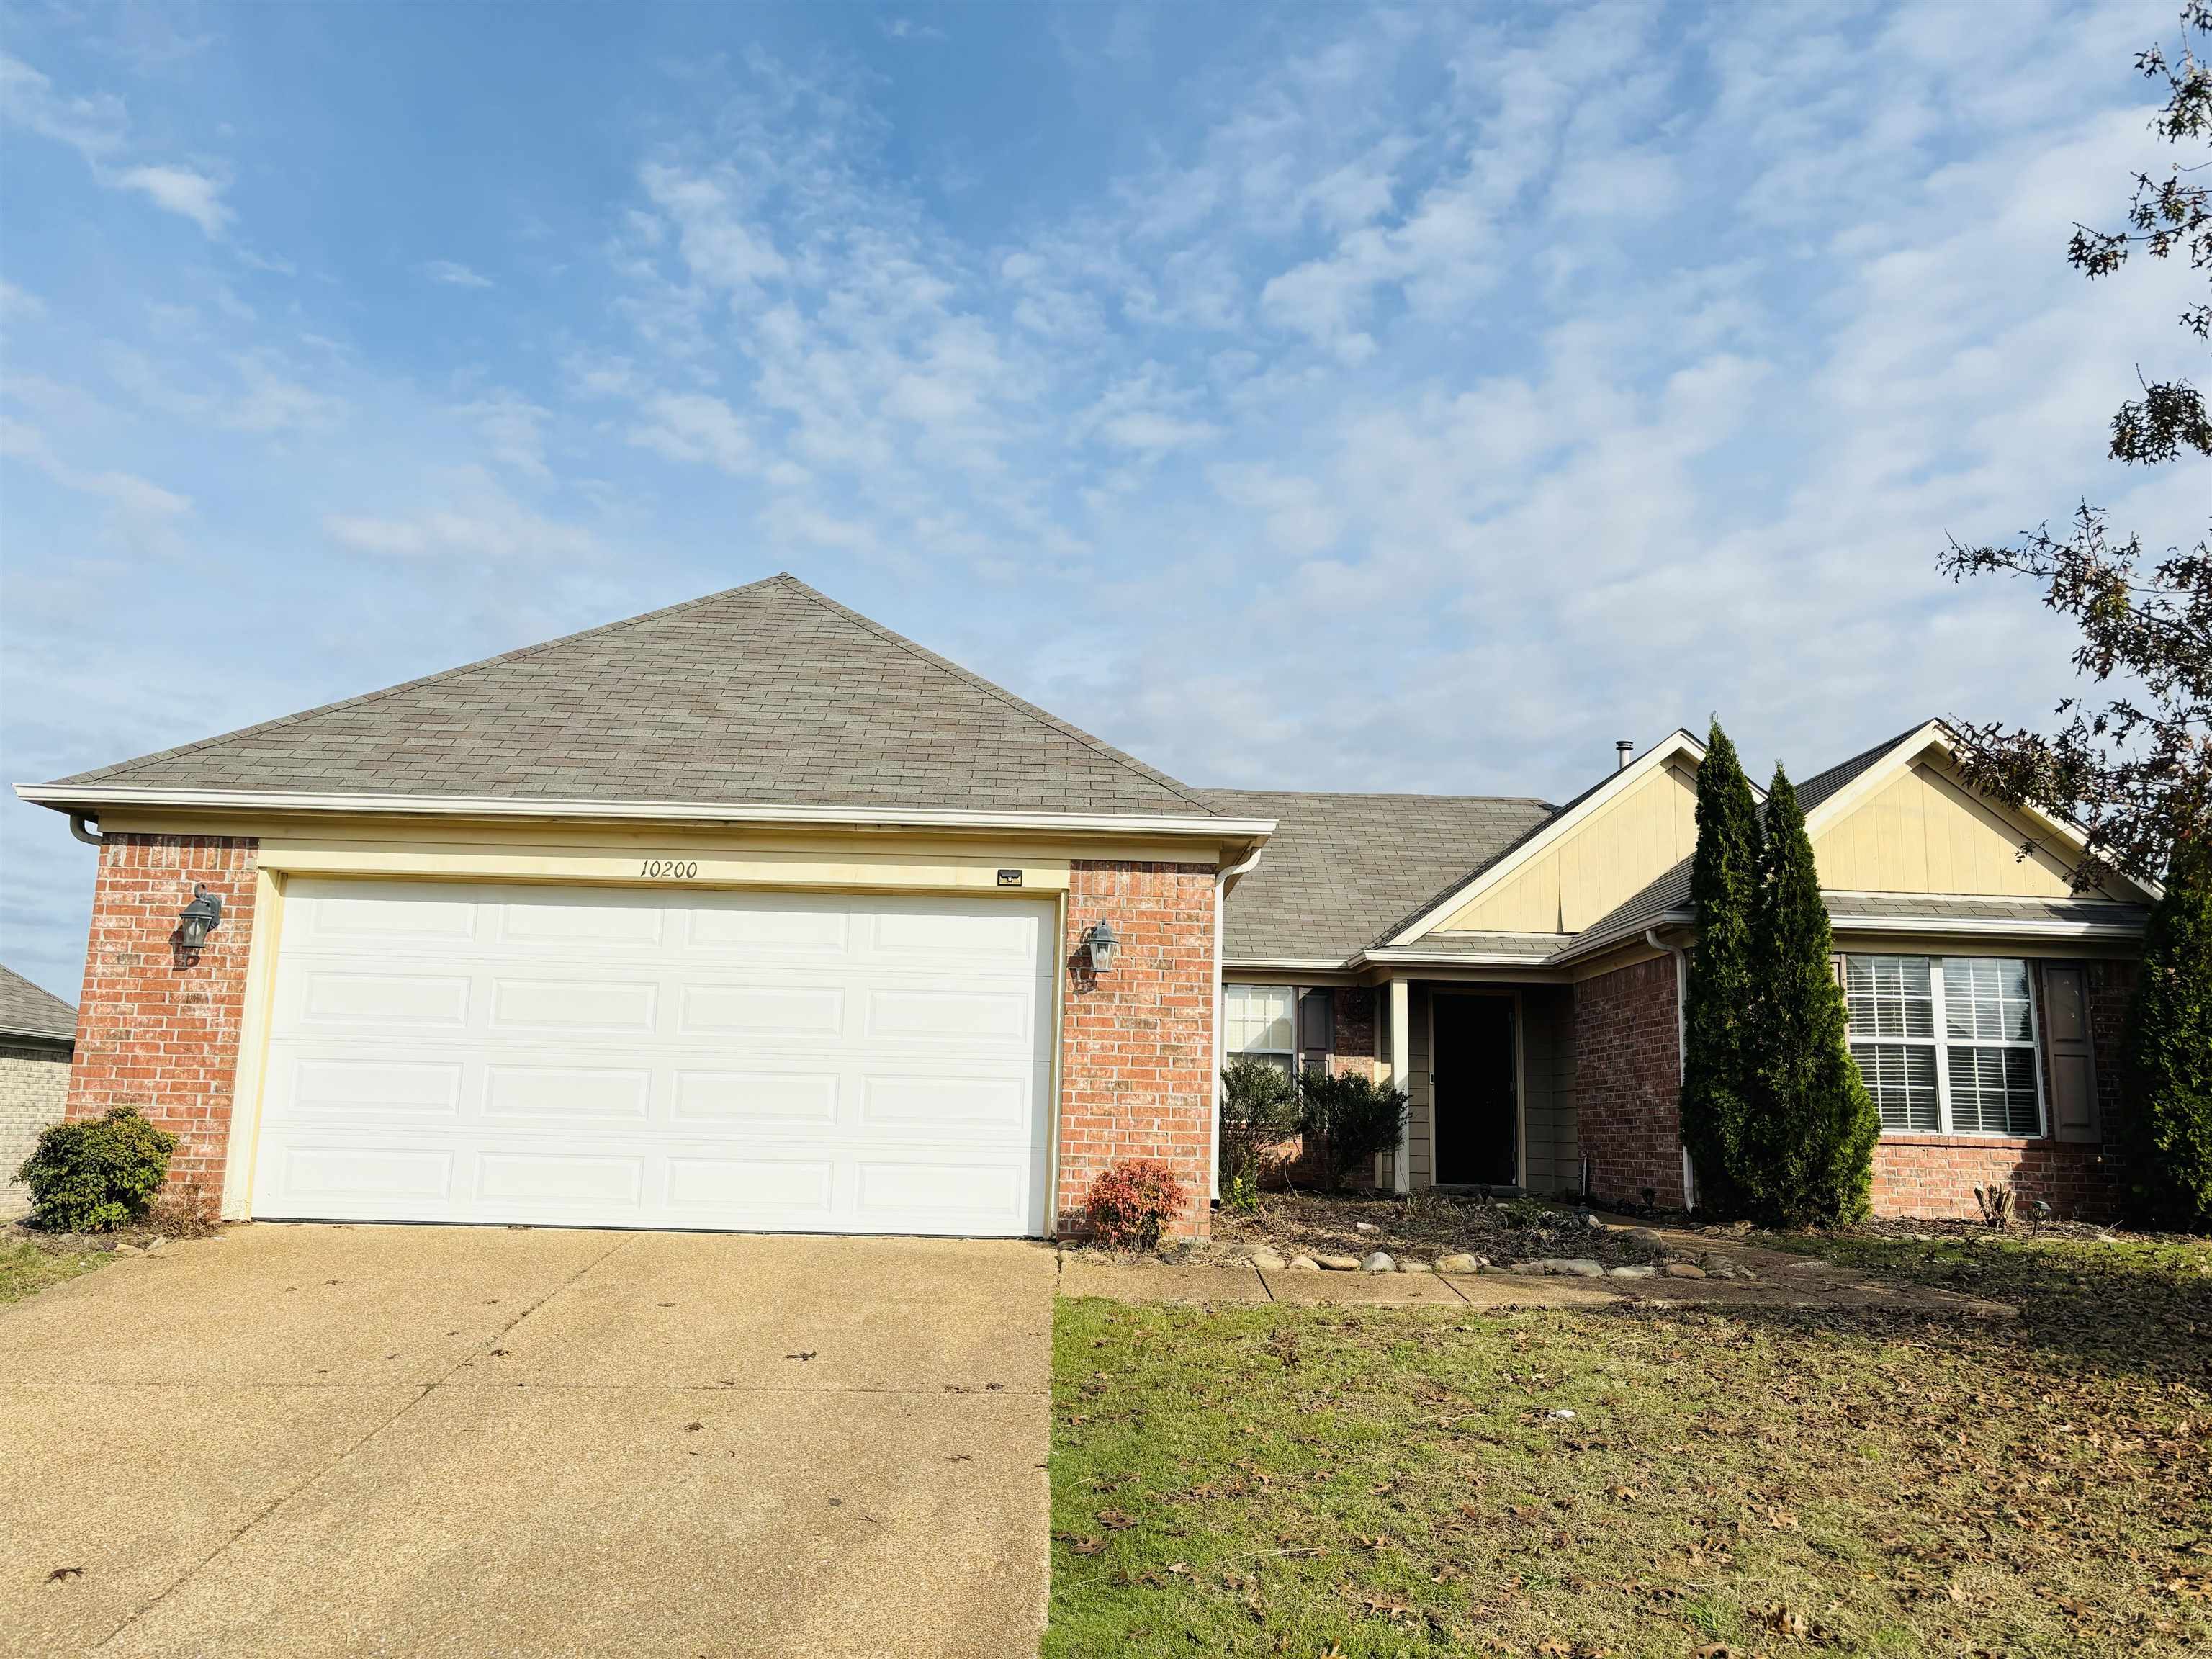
(37,1032)
(750,913)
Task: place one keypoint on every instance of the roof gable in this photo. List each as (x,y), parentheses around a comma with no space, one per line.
(767,693)
(1463,903)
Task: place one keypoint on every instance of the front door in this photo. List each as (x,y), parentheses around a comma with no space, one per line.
(1476,1111)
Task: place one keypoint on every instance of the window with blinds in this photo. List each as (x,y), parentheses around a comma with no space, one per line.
(1260,1021)
(1947,1044)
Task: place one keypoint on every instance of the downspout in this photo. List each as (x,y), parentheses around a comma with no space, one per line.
(89,837)
(1221,880)
(1681,1050)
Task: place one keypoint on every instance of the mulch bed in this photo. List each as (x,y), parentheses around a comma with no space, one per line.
(1422,1227)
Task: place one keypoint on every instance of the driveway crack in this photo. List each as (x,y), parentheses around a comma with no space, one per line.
(423,1391)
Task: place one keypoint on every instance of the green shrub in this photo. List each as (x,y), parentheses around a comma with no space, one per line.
(1721,1012)
(1347,1121)
(93,1175)
(2168,1127)
(1131,1202)
(1259,1110)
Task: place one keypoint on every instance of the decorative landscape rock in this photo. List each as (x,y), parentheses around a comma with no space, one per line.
(1266,1261)
(1684,1270)
(1366,1227)
(1338,1264)
(1380,1262)
(1462,1263)
(1305,1264)
(1646,1236)
(1633,1270)
(1577,1266)
(1415,1267)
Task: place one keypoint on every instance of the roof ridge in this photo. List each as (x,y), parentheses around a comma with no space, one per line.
(969,677)
(1375,794)
(104,774)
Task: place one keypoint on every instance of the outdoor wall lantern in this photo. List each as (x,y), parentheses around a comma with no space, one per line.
(198,919)
(1100,942)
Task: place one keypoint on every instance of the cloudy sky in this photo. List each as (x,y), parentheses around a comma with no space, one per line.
(1298,398)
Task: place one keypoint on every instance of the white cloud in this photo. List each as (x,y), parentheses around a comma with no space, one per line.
(180,191)
(693,427)
(453,274)
(474,522)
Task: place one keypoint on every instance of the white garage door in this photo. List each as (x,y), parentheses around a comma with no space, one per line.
(663,1057)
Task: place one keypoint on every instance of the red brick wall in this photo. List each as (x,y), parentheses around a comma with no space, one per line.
(1628,1083)
(1137,1042)
(156,1034)
(1353,1049)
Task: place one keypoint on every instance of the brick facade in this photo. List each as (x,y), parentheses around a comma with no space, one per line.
(153,1032)
(1137,1042)
(1352,1051)
(1933,1177)
(33,1091)
(1628,1084)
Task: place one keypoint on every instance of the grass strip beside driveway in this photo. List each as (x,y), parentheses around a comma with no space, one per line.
(1409,1481)
(29,1264)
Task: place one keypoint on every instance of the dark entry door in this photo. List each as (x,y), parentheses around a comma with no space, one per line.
(1478,1130)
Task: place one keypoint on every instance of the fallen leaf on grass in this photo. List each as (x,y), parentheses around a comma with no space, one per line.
(1080,1546)
(1116,1520)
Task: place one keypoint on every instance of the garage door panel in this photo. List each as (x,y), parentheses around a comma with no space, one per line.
(560,1181)
(599,918)
(730,1060)
(771,925)
(759,1100)
(344,1085)
(362,1178)
(339,998)
(573,1006)
(785,1192)
(765,1010)
(565,1094)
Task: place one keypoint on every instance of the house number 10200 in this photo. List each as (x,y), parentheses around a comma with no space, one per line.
(681,869)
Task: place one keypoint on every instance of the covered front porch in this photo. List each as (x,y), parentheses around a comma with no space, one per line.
(1487,1061)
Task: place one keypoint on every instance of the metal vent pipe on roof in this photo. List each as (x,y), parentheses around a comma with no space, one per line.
(1623,748)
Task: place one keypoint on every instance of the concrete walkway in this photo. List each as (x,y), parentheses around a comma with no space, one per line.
(470,1441)
(1781,1281)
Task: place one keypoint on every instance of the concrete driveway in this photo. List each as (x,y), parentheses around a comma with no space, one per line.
(489,1441)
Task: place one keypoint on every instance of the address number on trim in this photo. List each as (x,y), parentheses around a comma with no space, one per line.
(674,869)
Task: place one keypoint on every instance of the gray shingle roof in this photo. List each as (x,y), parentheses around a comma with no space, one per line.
(768,693)
(1936,908)
(28,1011)
(1342,869)
(1822,785)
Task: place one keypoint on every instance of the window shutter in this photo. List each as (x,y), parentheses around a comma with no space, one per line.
(1316,1028)
(2066,1045)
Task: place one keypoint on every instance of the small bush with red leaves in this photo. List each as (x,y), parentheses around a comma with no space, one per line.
(1130,1203)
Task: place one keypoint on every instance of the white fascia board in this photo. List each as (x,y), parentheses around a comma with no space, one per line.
(1389,956)
(1676,743)
(92,798)
(1288,964)
(1971,926)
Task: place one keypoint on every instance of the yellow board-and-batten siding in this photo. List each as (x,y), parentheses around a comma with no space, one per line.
(1597,867)
(1924,832)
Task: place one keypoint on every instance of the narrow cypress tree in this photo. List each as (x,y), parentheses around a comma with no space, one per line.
(1806,1151)
(2169,1126)
(1718,1008)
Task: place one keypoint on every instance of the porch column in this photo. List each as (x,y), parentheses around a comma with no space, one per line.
(1401,1077)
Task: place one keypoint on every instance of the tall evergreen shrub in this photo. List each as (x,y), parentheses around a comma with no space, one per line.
(1718,1011)
(2168,1128)
(1806,1151)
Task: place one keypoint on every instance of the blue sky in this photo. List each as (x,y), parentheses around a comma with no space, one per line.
(1297,397)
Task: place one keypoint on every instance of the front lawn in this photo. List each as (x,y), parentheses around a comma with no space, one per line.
(1639,1481)
(30,1262)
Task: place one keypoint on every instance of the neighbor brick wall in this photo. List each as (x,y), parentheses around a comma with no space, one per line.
(152,1034)
(33,1091)
(1933,1177)
(1353,1050)
(1627,1086)
(1137,1041)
